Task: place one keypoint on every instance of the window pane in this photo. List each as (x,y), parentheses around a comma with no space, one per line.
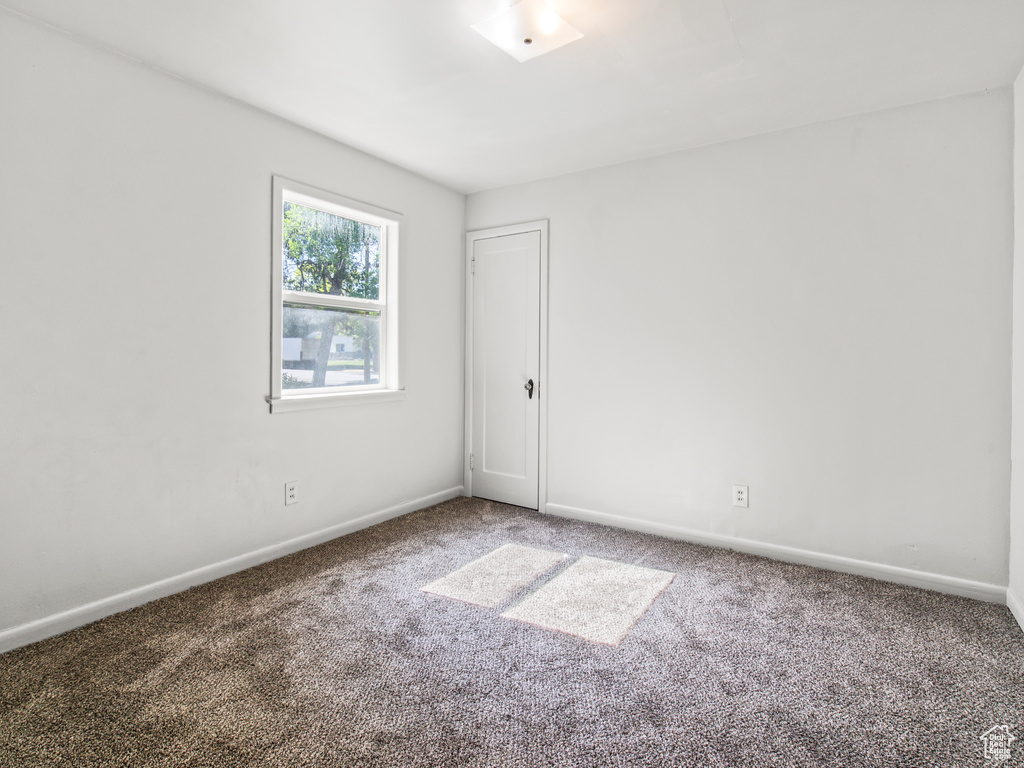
(324,347)
(326,253)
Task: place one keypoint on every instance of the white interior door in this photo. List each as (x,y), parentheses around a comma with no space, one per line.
(506,368)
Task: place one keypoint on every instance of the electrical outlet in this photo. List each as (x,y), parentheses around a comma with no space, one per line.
(291,493)
(740,496)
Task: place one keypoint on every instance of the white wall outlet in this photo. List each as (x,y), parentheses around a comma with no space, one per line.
(740,494)
(291,493)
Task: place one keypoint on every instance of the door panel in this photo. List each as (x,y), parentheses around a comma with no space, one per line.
(506,356)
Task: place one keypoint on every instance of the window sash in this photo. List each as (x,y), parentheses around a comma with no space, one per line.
(346,213)
(330,300)
(382,356)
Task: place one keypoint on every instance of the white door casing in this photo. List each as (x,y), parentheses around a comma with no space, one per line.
(505,343)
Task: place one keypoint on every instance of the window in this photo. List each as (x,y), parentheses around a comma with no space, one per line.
(335,313)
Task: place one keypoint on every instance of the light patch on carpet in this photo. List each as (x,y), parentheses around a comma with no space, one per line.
(597,600)
(497,576)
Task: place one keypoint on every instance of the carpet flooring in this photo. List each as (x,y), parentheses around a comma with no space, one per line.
(496,576)
(598,600)
(335,657)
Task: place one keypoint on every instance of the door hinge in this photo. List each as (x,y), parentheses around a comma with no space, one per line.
(471,461)
(472,266)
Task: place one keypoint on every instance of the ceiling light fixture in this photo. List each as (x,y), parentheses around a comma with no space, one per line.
(527,29)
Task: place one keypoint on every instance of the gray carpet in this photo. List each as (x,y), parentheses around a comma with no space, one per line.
(335,657)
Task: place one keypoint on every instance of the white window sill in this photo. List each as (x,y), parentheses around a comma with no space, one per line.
(333,399)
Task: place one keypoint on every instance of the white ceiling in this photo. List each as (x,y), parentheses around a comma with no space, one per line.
(409,81)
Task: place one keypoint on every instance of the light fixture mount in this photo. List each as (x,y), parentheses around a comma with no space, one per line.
(528,29)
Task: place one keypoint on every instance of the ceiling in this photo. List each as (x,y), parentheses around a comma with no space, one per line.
(409,81)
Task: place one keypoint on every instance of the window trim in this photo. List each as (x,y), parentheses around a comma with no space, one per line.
(390,386)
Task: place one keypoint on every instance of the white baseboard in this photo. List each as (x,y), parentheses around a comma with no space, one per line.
(978,590)
(1016,606)
(64,621)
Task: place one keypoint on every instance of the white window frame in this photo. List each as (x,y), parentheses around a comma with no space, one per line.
(389,386)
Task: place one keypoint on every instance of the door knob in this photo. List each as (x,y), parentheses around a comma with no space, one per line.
(528,386)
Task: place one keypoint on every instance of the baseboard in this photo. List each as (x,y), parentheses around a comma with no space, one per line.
(978,590)
(62,622)
(1016,607)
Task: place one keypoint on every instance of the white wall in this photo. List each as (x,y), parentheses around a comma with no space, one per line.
(822,314)
(135,206)
(1015,592)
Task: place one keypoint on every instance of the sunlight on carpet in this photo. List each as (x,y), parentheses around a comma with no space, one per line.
(597,600)
(495,577)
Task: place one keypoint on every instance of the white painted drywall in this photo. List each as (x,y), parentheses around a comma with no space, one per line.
(137,207)
(822,314)
(1015,591)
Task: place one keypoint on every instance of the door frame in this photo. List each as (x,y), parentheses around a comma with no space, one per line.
(540,226)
